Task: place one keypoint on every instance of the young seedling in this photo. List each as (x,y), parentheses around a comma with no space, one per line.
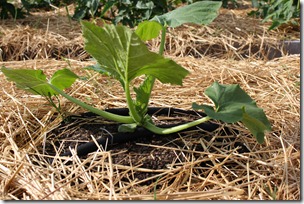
(122,54)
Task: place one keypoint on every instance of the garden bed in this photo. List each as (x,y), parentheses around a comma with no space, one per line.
(194,164)
(27,120)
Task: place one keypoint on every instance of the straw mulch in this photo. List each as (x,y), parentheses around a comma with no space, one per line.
(232,35)
(41,36)
(268,171)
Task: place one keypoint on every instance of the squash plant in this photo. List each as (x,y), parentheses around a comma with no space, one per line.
(122,54)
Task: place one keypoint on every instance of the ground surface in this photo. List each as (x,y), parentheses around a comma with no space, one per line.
(149,151)
(194,164)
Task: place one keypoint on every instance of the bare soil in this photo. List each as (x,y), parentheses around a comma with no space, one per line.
(149,151)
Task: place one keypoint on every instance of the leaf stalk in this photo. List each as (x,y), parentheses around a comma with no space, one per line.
(164,131)
(104,114)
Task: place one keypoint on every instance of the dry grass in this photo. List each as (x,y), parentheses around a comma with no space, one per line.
(233,35)
(41,36)
(271,167)
(268,171)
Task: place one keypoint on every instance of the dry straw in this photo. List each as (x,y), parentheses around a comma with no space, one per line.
(268,171)
(232,35)
(271,167)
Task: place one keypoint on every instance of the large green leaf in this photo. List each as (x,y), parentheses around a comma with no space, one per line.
(232,104)
(35,81)
(228,100)
(122,53)
(202,12)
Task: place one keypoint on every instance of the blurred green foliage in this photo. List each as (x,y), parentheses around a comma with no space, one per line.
(277,11)
(132,12)
(126,12)
(8,10)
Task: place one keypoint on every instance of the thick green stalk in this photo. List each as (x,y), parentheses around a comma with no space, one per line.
(134,114)
(150,78)
(104,114)
(164,131)
(163,40)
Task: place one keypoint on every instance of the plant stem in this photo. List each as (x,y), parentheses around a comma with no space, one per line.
(104,114)
(133,113)
(164,131)
(51,102)
(68,15)
(163,40)
(130,103)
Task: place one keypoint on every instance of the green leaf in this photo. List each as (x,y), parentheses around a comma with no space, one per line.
(230,115)
(122,53)
(127,127)
(232,104)
(202,12)
(107,6)
(196,106)
(228,100)
(80,13)
(255,126)
(144,5)
(93,5)
(148,30)
(63,79)
(143,93)
(97,68)
(35,81)
(274,25)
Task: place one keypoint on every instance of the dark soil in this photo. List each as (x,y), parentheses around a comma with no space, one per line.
(146,150)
